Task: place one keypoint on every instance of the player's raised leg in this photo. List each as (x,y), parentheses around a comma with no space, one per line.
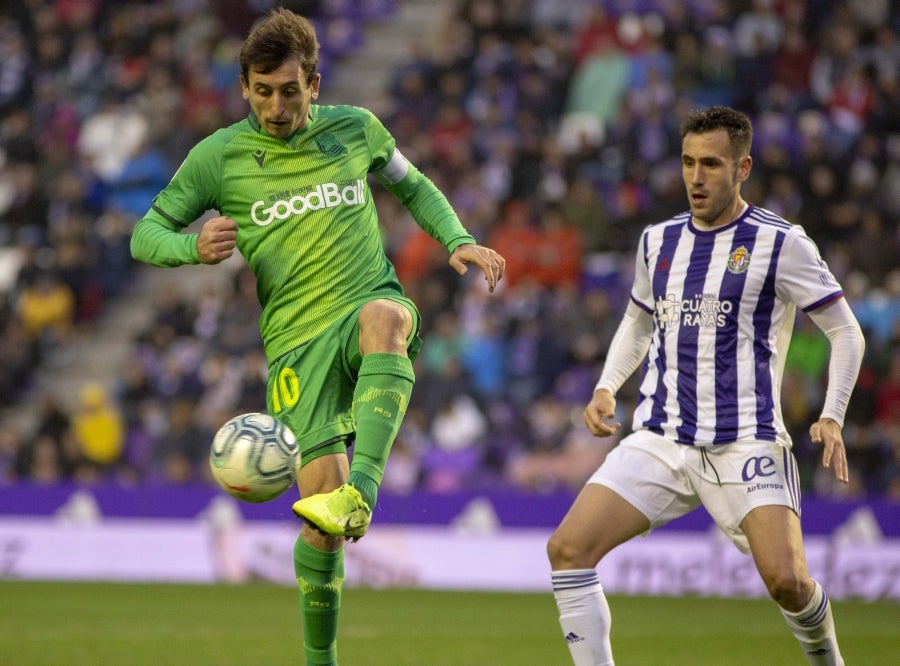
(384,386)
(777,546)
(598,521)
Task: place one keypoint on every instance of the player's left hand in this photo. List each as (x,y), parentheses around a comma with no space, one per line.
(827,432)
(489,261)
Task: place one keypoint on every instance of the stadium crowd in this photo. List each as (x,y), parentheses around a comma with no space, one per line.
(551,125)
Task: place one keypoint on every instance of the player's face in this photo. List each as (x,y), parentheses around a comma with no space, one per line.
(280,99)
(713,177)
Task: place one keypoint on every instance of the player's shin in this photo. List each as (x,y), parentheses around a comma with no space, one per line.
(379,404)
(814,628)
(320,579)
(584,616)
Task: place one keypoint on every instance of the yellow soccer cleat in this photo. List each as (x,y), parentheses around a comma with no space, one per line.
(342,512)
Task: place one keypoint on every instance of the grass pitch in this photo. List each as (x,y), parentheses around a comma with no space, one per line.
(94,624)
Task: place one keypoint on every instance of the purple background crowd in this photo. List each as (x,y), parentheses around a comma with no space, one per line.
(551,125)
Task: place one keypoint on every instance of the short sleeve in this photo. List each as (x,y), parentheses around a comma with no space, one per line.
(642,289)
(381,143)
(194,188)
(803,276)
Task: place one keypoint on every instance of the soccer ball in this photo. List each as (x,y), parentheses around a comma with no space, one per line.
(254,457)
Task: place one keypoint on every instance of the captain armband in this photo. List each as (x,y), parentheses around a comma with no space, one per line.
(394,171)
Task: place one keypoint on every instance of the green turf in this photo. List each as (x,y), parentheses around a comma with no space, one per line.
(71,624)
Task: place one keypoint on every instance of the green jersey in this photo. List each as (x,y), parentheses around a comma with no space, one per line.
(307,225)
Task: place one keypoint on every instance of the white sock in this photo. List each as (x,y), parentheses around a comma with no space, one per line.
(814,628)
(584,616)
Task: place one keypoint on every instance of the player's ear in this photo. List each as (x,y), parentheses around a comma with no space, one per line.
(744,166)
(314,85)
(245,88)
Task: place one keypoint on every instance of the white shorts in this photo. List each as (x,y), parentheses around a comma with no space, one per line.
(665,480)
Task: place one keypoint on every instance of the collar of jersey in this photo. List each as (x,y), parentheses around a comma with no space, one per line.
(293,139)
(747,208)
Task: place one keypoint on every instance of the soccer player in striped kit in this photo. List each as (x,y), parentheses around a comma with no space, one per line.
(710,318)
(290,186)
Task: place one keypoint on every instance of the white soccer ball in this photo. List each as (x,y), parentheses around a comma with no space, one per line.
(254,457)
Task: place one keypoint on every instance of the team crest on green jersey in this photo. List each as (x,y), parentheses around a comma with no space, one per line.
(329,145)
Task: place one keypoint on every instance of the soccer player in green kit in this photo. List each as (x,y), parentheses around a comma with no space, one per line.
(289,183)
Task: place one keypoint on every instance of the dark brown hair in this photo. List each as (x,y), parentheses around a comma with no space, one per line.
(738,126)
(280,36)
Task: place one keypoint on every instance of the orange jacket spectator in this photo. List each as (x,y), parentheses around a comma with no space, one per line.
(519,241)
(558,259)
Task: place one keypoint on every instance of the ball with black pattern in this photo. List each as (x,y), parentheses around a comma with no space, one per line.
(254,457)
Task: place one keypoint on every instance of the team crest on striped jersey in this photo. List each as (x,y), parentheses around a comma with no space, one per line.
(739,260)
(329,145)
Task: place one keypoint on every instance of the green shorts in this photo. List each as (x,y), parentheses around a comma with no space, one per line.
(310,388)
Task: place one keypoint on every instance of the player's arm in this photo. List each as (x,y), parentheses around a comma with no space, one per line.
(626,352)
(425,202)
(159,239)
(431,211)
(158,242)
(804,279)
(848,345)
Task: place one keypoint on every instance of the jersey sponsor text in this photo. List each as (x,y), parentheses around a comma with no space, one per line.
(326,195)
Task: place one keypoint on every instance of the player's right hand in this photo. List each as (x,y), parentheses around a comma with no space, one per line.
(216,241)
(489,261)
(601,407)
(827,432)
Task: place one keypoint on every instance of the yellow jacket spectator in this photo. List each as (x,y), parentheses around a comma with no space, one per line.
(47,308)
(98,426)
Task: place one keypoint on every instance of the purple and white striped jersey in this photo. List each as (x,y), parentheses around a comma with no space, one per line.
(723,304)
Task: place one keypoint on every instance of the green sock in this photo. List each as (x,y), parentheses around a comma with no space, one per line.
(320,579)
(379,404)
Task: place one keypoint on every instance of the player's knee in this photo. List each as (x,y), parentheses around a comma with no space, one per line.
(789,589)
(383,326)
(555,550)
(563,553)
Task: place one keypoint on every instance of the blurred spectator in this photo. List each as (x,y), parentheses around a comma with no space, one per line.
(584,209)
(98,427)
(52,454)
(792,66)
(596,30)
(718,68)
(887,395)
(518,240)
(111,135)
(15,61)
(457,430)
(758,29)
(809,352)
(47,309)
(144,173)
(484,357)
(599,83)
(877,307)
(25,214)
(182,453)
(19,354)
(557,261)
(11,443)
(111,247)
